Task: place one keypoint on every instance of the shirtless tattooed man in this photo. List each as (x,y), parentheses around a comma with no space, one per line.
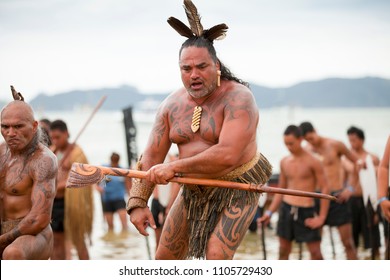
(27,186)
(213,121)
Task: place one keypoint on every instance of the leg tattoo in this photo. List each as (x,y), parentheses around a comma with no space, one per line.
(230,231)
(174,237)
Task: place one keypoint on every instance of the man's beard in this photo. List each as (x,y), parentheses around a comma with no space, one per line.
(202,93)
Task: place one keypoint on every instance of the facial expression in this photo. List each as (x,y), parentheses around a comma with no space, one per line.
(292,143)
(17,128)
(59,138)
(198,71)
(355,141)
(312,138)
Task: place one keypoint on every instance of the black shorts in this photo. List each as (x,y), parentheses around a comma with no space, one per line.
(113,205)
(339,213)
(156,210)
(361,224)
(386,228)
(292,226)
(385,223)
(58,215)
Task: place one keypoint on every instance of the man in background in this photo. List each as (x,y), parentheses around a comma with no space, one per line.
(330,152)
(383,193)
(44,124)
(113,196)
(73,208)
(365,221)
(298,219)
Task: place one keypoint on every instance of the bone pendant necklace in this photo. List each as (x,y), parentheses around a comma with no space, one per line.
(197,114)
(195,124)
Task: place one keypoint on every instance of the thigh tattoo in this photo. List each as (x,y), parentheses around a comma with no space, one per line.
(175,235)
(234,223)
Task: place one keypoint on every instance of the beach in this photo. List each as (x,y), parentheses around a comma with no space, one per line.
(105,134)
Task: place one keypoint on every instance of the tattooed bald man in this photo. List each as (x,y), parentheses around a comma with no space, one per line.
(213,121)
(27,186)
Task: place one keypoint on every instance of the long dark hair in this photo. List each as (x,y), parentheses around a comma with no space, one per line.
(201,42)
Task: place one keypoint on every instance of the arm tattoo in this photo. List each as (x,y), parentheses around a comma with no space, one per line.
(236,102)
(158,131)
(44,172)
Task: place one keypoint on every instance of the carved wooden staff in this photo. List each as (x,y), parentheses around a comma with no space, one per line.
(85,174)
(97,107)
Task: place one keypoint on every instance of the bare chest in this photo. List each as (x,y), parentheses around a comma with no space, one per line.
(328,155)
(14,178)
(182,119)
(298,170)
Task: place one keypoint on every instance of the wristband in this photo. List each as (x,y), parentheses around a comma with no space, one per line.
(268,213)
(380,200)
(351,189)
(139,192)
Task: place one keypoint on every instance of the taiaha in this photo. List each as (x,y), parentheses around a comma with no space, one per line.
(78,220)
(68,152)
(332,243)
(262,201)
(82,175)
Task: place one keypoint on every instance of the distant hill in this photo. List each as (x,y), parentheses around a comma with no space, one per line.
(117,98)
(333,92)
(366,92)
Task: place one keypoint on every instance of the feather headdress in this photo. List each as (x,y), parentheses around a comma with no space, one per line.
(16,95)
(196,29)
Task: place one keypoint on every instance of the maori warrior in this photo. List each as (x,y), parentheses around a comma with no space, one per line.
(213,120)
(27,185)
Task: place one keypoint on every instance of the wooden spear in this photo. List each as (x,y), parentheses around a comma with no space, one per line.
(82,175)
(97,107)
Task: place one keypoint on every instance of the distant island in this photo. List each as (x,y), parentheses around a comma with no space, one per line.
(326,93)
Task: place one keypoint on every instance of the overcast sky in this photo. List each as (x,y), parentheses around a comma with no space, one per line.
(53,46)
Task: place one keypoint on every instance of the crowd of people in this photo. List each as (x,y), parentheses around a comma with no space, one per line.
(328,166)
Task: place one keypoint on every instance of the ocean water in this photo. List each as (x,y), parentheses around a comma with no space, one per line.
(105,134)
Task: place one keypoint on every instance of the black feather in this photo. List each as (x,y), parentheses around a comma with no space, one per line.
(216,32)
(180,27)
(16,95)
(193,17)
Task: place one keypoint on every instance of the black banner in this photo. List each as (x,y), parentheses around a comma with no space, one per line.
(130,132)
